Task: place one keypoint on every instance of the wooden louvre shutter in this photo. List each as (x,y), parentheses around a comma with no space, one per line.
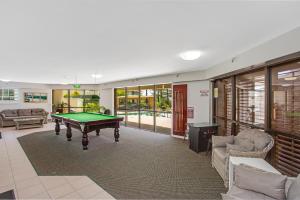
(250,99)
(286,117)
(224,106)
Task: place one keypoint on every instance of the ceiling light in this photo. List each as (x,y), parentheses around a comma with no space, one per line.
(96,75)
(290,78)
(64,83)
(5,80)
(190,55)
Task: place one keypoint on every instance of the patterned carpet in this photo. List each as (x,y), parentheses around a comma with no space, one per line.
(143,165)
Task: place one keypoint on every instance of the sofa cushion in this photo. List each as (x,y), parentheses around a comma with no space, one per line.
(236,193)
(237,147)
(10,113)
(24,112)
(37,111)
(220,153)
(270,184)
(294,190)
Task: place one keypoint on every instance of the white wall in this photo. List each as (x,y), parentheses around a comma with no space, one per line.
(200,103)
(33,87)
(285,44)
(107,98)
(27,87)
(173,78)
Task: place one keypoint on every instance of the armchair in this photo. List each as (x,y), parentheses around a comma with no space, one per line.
(260,144)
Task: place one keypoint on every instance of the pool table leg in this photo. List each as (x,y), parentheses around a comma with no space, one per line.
(69,132)
(57,127)
(97,132)
(85,139)
(117,135)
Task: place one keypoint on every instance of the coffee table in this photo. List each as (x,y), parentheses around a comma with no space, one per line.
(32,122)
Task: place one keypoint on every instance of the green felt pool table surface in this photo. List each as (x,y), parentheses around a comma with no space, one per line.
(83,117)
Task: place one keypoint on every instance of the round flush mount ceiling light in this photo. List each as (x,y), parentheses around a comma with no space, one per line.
(5,80)
(96,75)
(190,55)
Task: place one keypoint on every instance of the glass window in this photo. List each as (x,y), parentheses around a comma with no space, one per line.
(8,94)
(75,101)
(163,103)
(132,118)
(163,99)
(223,99)
(120,99)
(285,97)
(91,101)
(147,97)
(250,98)
(133,98)
(147,120)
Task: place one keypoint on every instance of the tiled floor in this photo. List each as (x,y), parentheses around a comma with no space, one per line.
(16,172)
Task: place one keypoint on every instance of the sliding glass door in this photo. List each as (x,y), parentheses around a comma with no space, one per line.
(163,107)
(146,107)
(132,106)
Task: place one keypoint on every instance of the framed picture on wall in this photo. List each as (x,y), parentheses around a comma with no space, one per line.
(35,97)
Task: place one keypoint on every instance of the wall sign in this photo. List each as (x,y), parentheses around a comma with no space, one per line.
(204,93)
(190,112)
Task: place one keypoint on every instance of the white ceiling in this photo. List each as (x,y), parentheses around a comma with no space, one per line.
(54,41)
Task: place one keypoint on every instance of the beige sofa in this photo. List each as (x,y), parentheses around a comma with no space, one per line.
(250,183)
(249,143)
(7,116)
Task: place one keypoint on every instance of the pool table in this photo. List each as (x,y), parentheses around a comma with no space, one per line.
(86,123)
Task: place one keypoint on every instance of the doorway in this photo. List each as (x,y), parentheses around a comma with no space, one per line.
(179,109)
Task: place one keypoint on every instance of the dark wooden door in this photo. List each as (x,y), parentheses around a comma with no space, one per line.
(179,109)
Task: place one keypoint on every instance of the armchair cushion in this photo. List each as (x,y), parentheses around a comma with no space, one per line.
(221,141)
(270,184)
(294,189)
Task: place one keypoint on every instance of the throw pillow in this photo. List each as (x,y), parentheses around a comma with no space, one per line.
(221,141)
(237,147)
(294,190)
(245,142)
(270,184)
(261,141)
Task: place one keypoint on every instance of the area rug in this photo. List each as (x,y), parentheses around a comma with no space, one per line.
(143,165)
